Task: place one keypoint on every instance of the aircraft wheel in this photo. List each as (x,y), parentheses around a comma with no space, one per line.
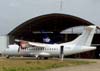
(45,58)
(8,57)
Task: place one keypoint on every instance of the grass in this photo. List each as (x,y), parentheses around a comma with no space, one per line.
(36,65)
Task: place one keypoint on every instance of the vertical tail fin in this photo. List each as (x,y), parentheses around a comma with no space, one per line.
(86,37)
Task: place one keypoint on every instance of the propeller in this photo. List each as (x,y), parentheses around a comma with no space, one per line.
(22,44)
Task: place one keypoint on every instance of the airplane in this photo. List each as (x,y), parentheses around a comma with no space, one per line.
(78,45)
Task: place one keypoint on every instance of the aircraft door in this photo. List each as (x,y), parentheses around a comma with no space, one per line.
(62,52)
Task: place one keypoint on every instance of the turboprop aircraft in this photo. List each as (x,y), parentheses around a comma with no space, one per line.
(78,45)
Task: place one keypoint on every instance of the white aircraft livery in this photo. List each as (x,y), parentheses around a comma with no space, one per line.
(80,44)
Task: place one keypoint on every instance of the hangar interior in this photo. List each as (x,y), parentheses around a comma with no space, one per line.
(53,24)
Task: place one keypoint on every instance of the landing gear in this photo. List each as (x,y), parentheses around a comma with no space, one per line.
(41,58)
(0,55)
(45,58)
(7,56)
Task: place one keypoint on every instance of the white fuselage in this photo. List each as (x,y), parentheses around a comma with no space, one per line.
(53,50)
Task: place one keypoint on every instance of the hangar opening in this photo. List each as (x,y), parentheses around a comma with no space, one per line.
(49,23)
(53,24)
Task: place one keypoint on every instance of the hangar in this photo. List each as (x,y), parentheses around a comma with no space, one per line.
(55,23)
(50,22)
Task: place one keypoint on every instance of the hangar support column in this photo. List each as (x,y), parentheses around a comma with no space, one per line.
(4,41)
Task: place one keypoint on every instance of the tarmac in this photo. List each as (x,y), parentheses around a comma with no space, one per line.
(88,67)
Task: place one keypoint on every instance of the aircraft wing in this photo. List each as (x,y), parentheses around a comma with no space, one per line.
(34,44)
(38,44)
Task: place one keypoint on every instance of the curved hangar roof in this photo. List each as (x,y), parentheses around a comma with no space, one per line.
(50,22)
